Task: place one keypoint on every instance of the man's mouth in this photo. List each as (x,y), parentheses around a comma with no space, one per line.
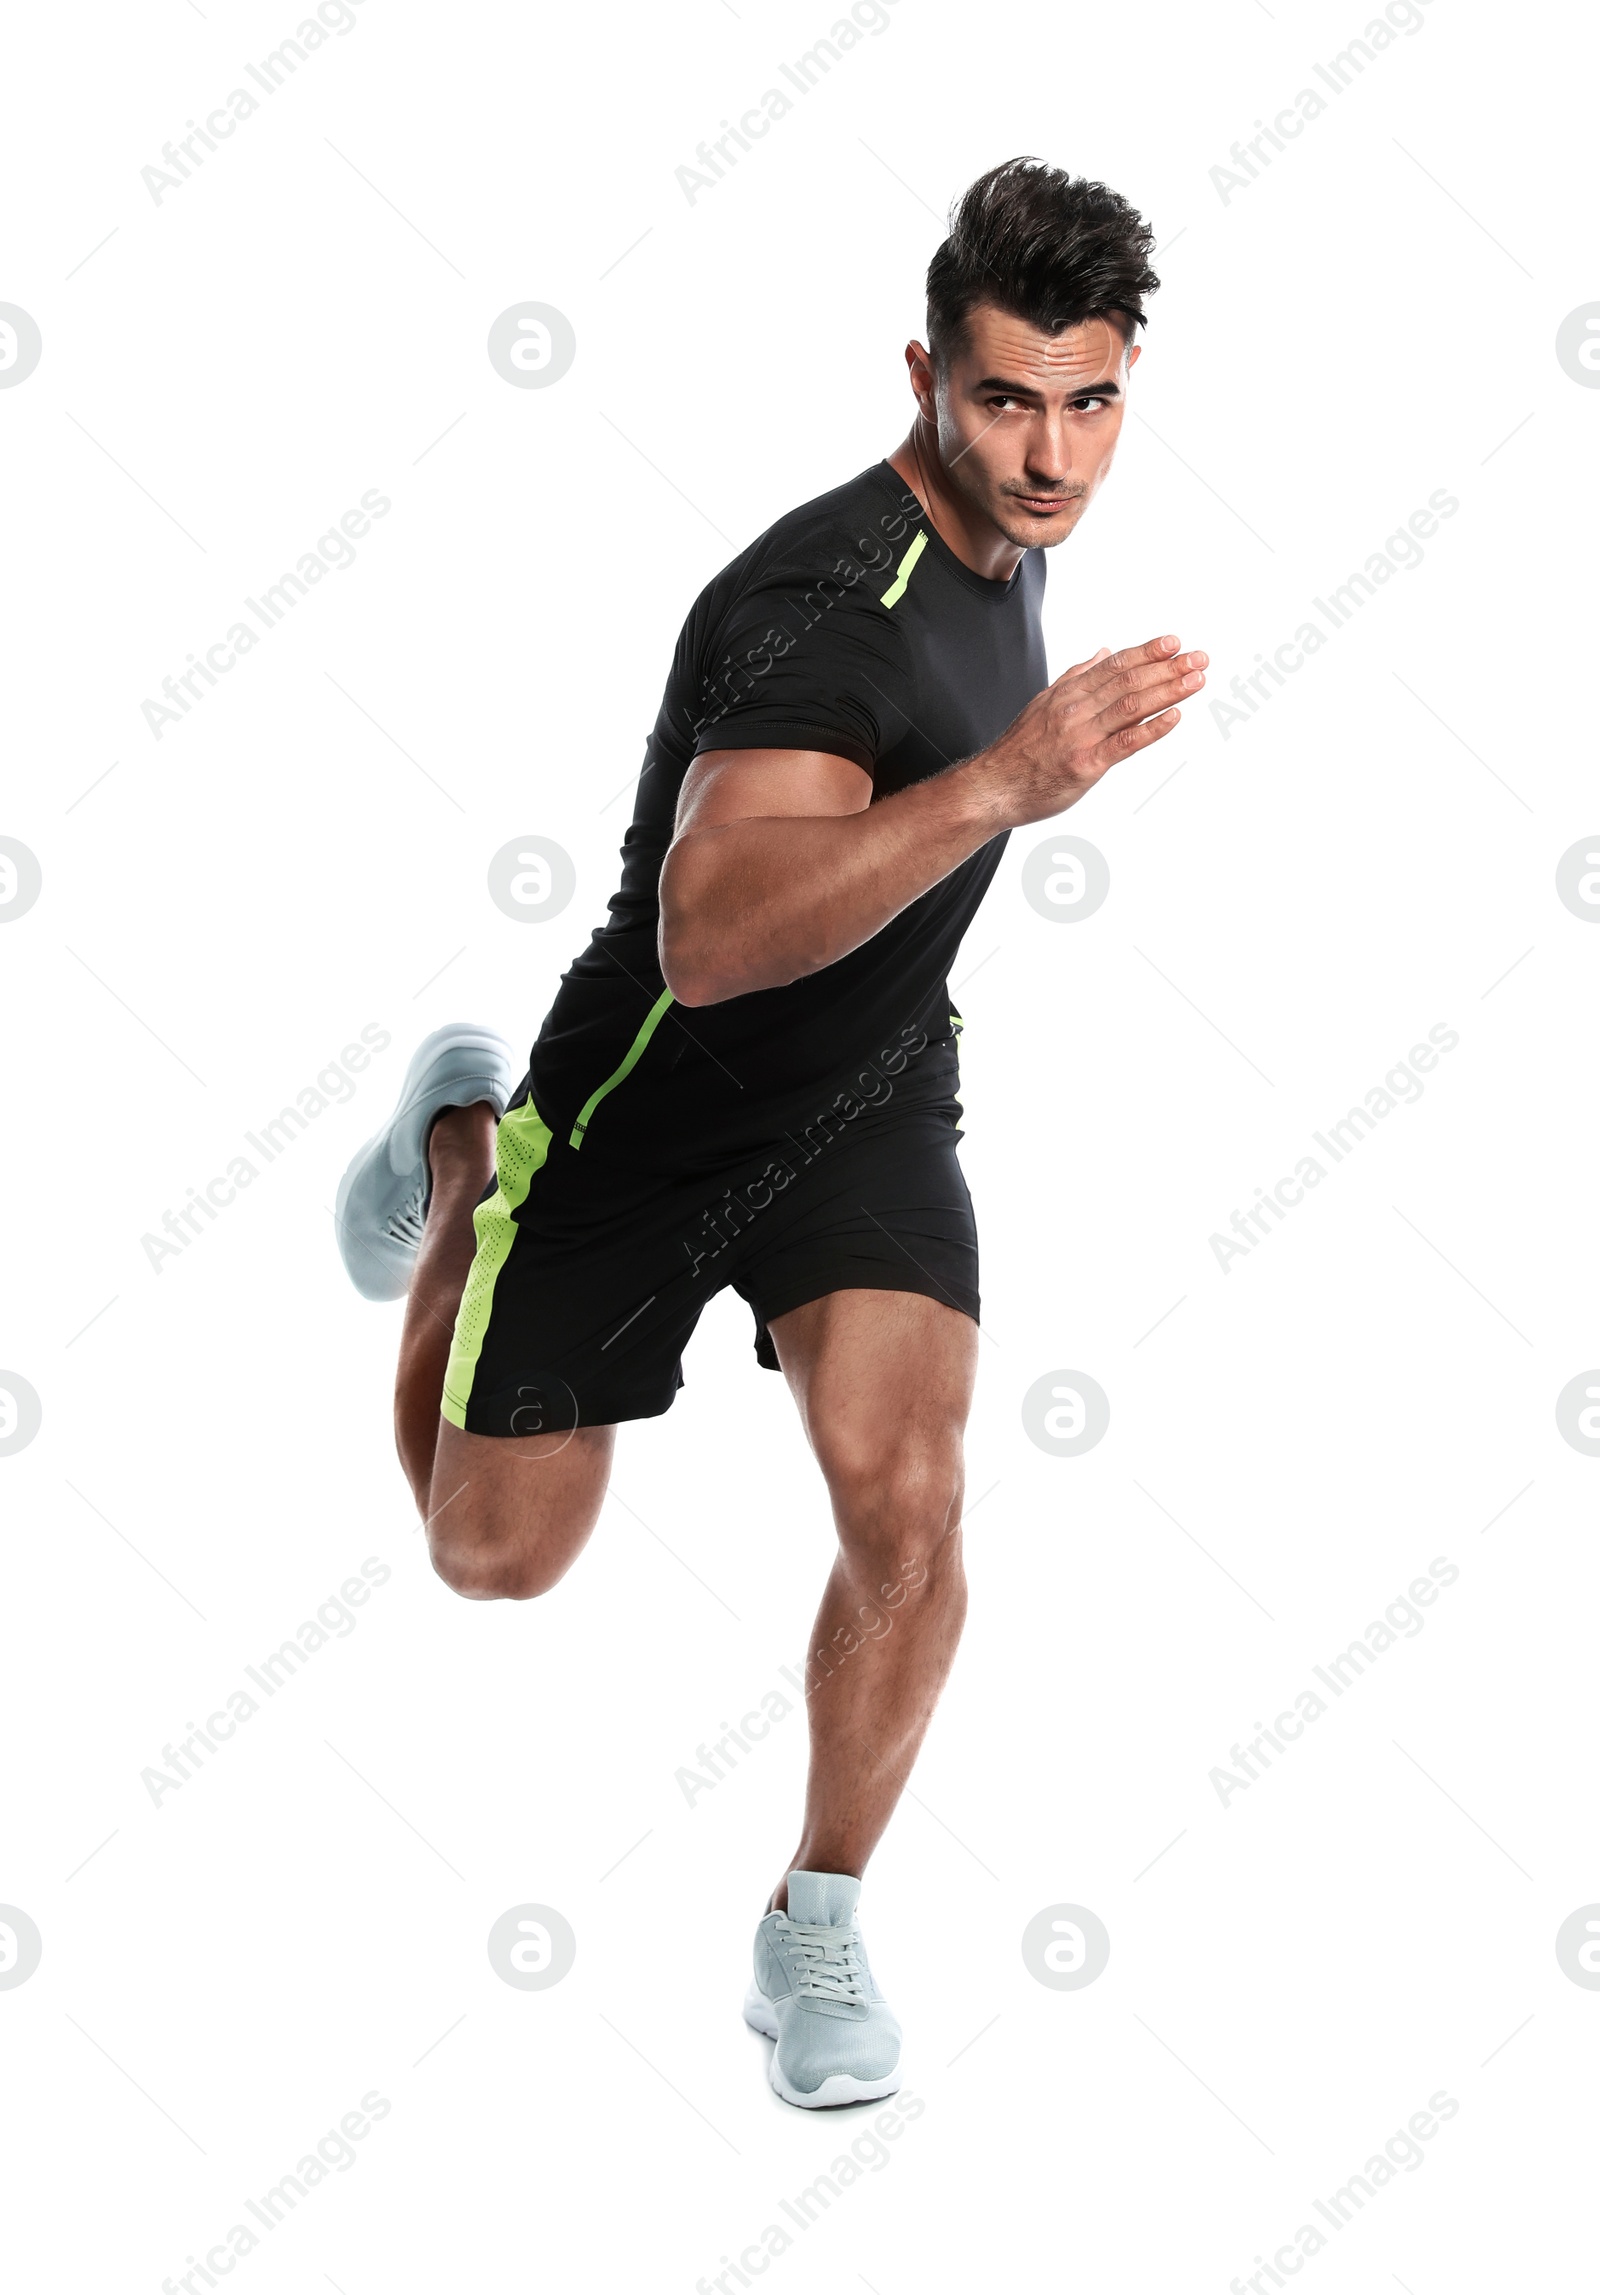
(1045,504)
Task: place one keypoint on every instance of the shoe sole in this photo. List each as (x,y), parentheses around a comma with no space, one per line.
(837,2089)
(380,1281)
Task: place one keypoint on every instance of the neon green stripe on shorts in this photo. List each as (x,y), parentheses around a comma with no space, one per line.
(521,1144)
(630,1061)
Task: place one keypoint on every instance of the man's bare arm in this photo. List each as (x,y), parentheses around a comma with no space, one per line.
(780,864)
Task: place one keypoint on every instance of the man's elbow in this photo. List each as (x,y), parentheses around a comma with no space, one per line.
(690,984)
(706,957)
(686,963)
(680,945)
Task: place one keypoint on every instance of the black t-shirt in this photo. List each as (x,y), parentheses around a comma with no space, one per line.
(847,627)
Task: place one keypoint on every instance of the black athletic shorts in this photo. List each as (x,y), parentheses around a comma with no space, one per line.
(589,1280)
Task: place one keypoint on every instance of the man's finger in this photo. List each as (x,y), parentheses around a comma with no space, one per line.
(1078,667)
(1107,689)
(1135,737)
(1154,688)
(1132,662)
(1156,649)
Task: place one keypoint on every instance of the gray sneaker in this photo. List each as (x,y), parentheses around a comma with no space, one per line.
(814,1993)
(383,1197)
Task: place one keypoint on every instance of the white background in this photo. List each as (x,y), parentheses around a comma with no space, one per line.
(1372,1387)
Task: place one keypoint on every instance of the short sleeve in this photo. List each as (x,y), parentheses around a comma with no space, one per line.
(807,661)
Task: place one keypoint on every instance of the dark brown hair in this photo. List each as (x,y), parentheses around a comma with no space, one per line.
(1049,247)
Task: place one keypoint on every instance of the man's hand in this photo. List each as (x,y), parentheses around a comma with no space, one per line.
(1094,715)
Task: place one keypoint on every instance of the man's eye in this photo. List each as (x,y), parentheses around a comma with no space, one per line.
(1082,405)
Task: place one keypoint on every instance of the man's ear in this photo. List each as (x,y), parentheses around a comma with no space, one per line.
(919,365)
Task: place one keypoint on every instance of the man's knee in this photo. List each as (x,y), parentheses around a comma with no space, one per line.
(506,1521)
(897,1500)
(490,1559)
(483,1571)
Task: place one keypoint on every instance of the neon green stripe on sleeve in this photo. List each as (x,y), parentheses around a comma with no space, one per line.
(904,571)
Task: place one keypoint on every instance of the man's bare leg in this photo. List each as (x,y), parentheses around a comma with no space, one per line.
(461,1161)
(884,1382)
(505,1516)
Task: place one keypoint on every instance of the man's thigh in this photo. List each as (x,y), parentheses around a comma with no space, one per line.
(883,1381)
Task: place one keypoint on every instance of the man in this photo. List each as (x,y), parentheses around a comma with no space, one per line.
(749,1075)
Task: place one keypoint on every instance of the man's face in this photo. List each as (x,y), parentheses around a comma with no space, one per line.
(1028,422)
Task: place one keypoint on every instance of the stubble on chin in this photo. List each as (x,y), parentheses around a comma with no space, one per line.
(1032,533)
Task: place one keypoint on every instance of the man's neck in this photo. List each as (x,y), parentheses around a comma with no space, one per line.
(976,540)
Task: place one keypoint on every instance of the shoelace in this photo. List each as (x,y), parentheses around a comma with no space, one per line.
(825,1962)
(405,1225)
